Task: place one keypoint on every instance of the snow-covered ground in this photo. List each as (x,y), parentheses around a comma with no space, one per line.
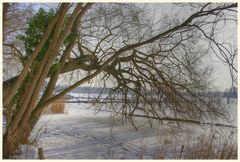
(80,133)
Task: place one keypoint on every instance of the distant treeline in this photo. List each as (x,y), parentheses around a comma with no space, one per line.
(231,93)
(86,90)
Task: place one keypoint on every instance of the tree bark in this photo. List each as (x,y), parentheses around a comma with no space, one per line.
(29,99)
(26,97)
(53,80)
(21,133)
(47,66)
(5,11)
(7,98)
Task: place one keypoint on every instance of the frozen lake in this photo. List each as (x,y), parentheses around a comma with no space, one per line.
(82,134)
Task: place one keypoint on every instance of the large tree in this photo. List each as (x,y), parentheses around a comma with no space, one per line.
(160,63)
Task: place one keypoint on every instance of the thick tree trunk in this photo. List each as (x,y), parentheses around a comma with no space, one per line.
(35,86)
(9,147)
(20,78)
(21,125)
(53,80)
(12,140)
(5,11)
(33,102)
(18,133)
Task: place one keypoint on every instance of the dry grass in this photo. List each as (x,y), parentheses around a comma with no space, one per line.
(206,147)
(212,148)
(58,107)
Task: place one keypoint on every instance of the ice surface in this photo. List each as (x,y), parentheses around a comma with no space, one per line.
(82,134)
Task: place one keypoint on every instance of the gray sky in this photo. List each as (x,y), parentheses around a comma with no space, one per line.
(221,75)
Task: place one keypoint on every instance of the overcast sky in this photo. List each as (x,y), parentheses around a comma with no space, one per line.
(221,75)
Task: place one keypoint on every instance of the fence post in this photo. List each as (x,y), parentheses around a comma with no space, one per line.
(40,153)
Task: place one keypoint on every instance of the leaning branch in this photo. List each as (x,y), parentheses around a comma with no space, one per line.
(132,46)
(190,121)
